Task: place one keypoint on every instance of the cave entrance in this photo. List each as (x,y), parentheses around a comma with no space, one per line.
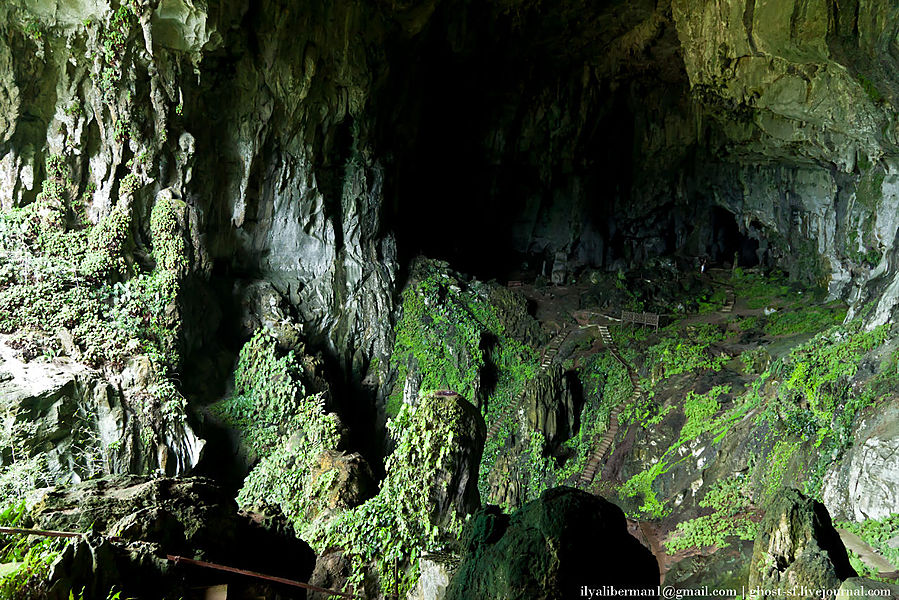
(727,241)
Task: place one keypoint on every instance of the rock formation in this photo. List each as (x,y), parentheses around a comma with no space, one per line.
(551,548)
(152,518)
(352,259)
(798,549)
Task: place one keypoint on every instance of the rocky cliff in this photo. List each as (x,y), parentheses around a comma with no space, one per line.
(211,213)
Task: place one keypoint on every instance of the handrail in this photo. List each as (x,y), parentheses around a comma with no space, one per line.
(188,561)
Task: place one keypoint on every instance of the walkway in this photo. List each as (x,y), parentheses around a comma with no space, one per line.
(549,355)
(605,443)
(868,555)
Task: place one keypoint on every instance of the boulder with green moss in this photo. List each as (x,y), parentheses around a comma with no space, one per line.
(429,489)
(551,548)
(798,548)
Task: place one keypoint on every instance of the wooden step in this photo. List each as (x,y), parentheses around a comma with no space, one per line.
(549,353)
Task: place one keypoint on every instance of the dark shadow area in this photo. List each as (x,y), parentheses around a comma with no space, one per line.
(729,242)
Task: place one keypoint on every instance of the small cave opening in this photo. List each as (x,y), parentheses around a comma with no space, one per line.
(728,242)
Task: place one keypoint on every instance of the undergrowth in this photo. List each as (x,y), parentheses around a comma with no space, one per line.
(729,503)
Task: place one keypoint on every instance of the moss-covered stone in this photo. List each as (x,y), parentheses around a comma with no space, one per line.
(551,548)
(798,549)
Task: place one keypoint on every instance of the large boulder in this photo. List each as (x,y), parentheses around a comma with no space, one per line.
(135,523)
(551,549)
(798,549)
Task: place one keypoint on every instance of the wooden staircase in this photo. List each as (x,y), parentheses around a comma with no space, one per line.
(729,300)
(600,449)
(549,355)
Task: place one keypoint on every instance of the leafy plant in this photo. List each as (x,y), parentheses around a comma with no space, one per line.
(729,501)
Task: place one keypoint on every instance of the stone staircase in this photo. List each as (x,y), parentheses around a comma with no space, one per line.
(549,355)
(600,449)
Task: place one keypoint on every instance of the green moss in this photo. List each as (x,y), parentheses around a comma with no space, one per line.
(400,523)
(113,45)
(452,333)
(109,243)
(699,410)
(441,333)
(283,426)
(870,89)
(34,31)
(75,109)
(813,407)
(686,351)
(62,274)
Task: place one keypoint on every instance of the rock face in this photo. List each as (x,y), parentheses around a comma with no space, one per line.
(351,479)
(76,424)
(865,484)
(798,547)
(454,485)
(551,548)
(549,405)
(192,518)
(433,580)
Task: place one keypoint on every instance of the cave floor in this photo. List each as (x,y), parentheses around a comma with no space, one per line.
(745,321)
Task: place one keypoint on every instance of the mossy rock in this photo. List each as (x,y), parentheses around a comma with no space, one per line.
(550,549)
(798,547)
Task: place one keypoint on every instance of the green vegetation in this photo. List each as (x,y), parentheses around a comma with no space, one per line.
(401,523)
(606,385)
(57,272)
(74,109)
(113,41)
(686,351)
(777,462)
(823,407)
(34,31)
(452,333)
(283,426)
(63,278)
(730,504)
(755,361)
(761,291)
(33,555)
(700,411)
(877,534)
(711,301)
(870,89)
(807,319)
(445,330)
